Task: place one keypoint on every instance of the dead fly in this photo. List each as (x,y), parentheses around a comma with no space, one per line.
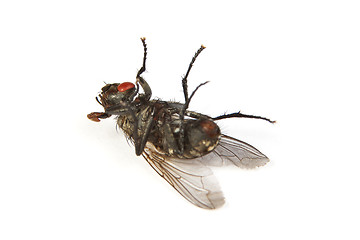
(177,143)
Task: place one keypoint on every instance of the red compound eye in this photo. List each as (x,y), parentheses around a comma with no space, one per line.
(125,86)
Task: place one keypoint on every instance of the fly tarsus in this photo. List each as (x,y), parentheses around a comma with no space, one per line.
(240,115)
(143,68)
(145,86)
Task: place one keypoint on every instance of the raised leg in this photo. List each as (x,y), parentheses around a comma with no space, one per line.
(184,80)
(145,86)
(187,99)
(240,115)
(143,68)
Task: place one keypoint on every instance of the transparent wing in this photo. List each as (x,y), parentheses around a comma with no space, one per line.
(234,151)
(189,177)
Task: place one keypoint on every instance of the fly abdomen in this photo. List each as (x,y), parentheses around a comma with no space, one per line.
(202,136)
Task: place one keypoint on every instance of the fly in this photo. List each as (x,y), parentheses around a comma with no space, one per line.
(179,144)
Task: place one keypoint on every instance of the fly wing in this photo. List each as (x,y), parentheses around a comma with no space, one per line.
(193,180)
(233,151)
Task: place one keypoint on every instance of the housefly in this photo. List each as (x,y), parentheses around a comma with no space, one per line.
(179,144)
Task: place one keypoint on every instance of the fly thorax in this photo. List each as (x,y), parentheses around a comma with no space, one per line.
(126,124)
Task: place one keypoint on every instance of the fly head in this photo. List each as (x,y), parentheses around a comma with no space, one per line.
(117,96)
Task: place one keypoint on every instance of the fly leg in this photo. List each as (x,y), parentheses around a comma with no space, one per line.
(240,115)
(196,115)
(187,99)
(184,80)
(144,85)
(141,141)
(170,145)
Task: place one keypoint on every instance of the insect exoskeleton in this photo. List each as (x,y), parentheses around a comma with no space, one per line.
(179,144)
(203,136)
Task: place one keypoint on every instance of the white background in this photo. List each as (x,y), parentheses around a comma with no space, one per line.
(65,177)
